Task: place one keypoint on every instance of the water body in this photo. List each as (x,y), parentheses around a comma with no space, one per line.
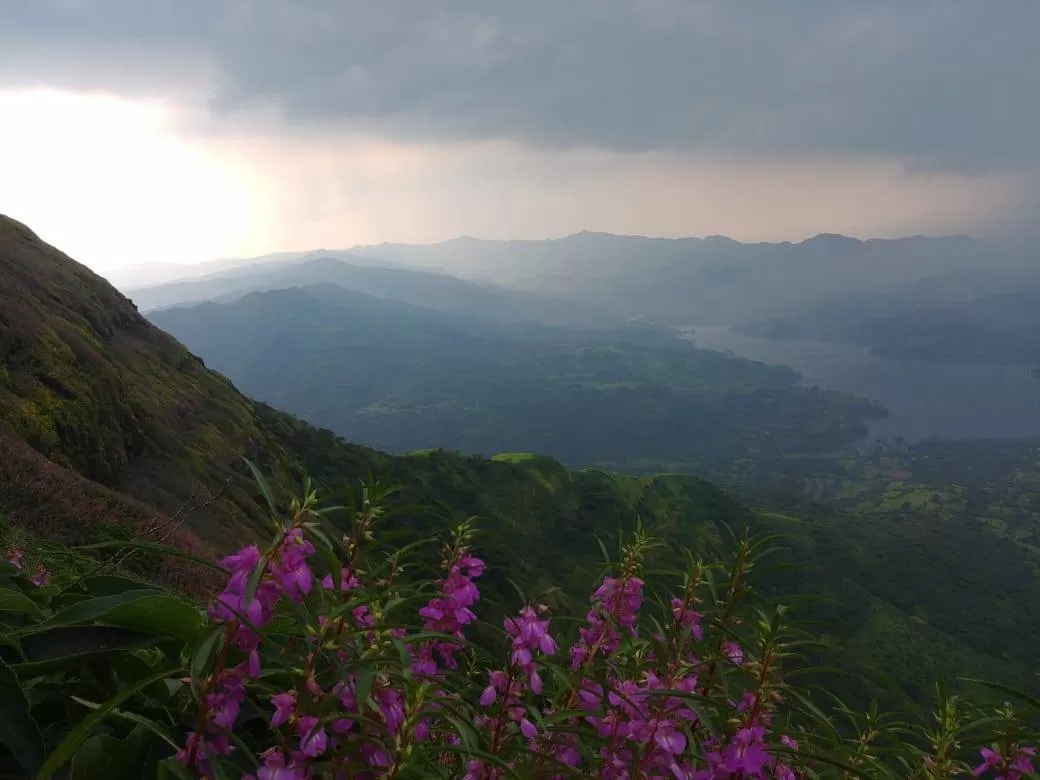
(946,399)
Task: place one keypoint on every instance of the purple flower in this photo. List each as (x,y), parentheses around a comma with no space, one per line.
(470,566)
(284,707)
(275,768)
(40,576)
(197,750)
(347,581)
(390,703)
(687,618)
(223,708)
(449,611)
(669,738)
(290,570)
(615,604)
(244,561)
(1019,761)
(313,739)
(15,558)
(1023,760)
(487,698)
(734,652)
(253,664)
(746,753)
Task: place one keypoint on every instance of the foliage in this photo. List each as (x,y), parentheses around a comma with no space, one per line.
(332,654)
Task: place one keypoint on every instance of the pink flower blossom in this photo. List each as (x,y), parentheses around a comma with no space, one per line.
(275,768)
(40,576)
(734,652)
(313,739)
(615,604)
(284,708)
(290,570)
(687,618)
(448,613)
(15,558)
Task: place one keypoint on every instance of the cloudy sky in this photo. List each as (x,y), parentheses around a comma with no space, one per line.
(138,131)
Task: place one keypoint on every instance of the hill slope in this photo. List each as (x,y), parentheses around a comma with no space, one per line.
(110,401)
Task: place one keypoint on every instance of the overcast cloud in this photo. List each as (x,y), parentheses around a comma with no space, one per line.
(939,84)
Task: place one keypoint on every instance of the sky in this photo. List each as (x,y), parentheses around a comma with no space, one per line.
(144,131)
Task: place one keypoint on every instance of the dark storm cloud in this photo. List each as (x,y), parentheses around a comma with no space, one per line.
(943,84)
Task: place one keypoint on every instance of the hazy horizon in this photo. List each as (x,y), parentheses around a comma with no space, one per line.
(141,133)
(145,274)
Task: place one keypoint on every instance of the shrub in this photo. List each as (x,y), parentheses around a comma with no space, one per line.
(332,654)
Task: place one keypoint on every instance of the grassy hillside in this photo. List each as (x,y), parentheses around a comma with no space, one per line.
(88,382)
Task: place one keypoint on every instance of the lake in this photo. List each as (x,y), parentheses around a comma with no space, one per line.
(947,399)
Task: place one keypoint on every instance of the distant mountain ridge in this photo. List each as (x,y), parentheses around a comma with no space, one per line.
(422,288)
(676,281)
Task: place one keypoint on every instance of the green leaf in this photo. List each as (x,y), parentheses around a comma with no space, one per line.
(202,656)
(163,614)
(72,645)
(90,610)
(265,489)
(104,756)
(142,609)
(1032,701)
(364,677)
(174,770)
(18,730)
(146,724)
(15,601)
(68,747)
(109,585)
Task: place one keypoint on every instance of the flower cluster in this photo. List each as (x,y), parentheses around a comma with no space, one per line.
(40,577)
(321,659)
(529,639)
(1012,763)
(615,606)
(449,612)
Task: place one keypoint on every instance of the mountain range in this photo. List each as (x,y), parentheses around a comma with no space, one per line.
(593,278)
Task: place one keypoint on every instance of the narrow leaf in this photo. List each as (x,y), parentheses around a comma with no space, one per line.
(64,752)
(18,730)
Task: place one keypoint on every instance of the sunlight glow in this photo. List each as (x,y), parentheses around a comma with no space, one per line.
(104,179)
